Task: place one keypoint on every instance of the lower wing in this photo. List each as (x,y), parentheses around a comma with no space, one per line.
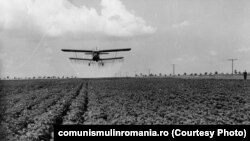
(84,59)
(115,58)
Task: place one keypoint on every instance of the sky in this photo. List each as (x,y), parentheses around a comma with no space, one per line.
(197,36)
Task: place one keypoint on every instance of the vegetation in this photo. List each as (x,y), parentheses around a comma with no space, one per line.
(29,108)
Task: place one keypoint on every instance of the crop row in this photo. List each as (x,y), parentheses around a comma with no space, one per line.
(19,96)
(75,113)
(31,111)
(41,128)
(168,101)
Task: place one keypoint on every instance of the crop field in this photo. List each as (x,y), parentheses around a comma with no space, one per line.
(30,108)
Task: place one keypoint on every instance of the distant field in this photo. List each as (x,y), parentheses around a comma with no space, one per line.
(214,77)
(29,108)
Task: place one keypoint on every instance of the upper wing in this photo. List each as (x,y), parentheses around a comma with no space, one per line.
(75,50)
(100,51)
(84,59)
(115,58)
(115,50)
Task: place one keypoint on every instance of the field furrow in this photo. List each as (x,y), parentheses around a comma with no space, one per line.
(77,108)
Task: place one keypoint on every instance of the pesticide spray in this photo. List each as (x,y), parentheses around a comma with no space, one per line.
(95,70)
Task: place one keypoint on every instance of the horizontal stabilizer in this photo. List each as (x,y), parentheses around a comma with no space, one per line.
(88,53)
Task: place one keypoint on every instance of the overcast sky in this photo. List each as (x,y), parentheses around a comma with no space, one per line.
(196,35)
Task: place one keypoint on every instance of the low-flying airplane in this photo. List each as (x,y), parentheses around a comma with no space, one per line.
(96,55)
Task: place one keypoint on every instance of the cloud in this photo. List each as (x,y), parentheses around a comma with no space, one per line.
(59,17)
(182,24)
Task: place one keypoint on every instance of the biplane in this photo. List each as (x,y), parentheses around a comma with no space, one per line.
(96,55)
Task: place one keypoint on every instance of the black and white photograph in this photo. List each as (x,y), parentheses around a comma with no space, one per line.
(122,62)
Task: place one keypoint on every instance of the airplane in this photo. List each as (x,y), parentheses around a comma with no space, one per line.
(96,55)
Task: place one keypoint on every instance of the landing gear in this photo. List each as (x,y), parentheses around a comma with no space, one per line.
(100,64)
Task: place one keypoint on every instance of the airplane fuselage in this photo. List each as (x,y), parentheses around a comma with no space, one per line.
(96,57)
